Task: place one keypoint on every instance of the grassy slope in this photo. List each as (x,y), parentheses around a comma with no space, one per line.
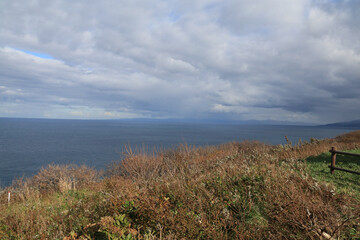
(234,191)
(344,182)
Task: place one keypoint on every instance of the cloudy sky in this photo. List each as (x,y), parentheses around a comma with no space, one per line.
(284,60)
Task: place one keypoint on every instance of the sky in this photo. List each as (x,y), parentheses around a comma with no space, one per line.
(281,60)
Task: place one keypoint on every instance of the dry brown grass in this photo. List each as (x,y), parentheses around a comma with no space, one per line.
(64,177)
(351,137)
(53,178)
(184,160)
(291,203)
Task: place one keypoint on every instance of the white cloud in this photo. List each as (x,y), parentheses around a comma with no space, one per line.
(242,59)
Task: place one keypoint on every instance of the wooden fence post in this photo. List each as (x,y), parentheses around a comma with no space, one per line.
(333,160)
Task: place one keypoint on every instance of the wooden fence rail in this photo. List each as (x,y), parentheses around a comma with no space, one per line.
(333,161)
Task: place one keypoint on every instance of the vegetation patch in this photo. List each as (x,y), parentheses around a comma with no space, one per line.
(343,182)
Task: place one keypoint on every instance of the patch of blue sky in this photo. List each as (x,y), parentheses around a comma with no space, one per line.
(36,54)
(173,16)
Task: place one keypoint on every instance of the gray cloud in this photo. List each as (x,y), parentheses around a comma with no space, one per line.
(280,60)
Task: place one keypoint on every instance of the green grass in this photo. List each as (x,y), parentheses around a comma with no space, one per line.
(344,182)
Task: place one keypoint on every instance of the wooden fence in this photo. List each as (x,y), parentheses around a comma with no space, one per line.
(333,161)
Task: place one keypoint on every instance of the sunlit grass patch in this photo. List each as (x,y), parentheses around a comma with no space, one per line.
(344,182)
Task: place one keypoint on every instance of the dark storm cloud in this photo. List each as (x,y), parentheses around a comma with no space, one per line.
(278,60)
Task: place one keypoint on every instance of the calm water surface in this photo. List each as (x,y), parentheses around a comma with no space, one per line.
(28,144)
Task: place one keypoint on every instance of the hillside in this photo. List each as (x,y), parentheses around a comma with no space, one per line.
(246,190)
(352,124)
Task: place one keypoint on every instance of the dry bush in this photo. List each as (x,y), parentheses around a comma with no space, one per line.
(246,190)
(351,137)
(300,206)
(136,166)
(63,177)
(52,178)
(236,202)
(21,189)
(185,159)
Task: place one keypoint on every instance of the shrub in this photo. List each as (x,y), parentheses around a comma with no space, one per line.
(63,178)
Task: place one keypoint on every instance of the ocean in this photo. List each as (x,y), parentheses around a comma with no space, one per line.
(26,145)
